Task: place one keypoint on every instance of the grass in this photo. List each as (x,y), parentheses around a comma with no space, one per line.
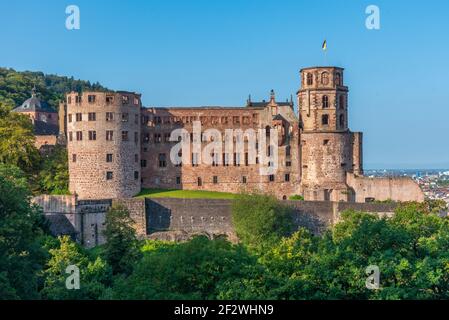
(184,194)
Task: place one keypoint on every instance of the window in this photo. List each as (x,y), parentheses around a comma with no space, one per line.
(215,179)
(288,163)
(136,101)
(236,120)
(195,160)
(245,120)
(287,177)
(271,177)
(341,103)
(244,180)
(338,79)
(109,99)
(158,120)
(157,138)
(70,136)
(225,160)
(125,136)
(143,163)
(342,121)
(166,137)
(109,135)
(162,160)
(79,135)
(109,157)
(78,99)
(325,100)
(125,117)
(91,98)
(288,151)
(92,135)
(309,79)
(109,175)
(325,78)
(199,182)
(325,120)
(92,116)
(325,142)
(136,119)
(246,159)
(69,100)
(79,117)
(136,158)
(70,117)
(267,131)
(109,116)
(224,120)
(136,137)
(136,175)
(73,157)
(125,100)
(178,180)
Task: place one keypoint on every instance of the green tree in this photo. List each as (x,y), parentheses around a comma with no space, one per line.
(17,141)
(260,219)
(21,257)
(196,269)
(121,250)
(54,175)
(95,274)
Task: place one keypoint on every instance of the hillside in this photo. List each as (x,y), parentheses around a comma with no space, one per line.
(15,87)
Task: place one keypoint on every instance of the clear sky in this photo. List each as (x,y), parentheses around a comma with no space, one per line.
(210,52)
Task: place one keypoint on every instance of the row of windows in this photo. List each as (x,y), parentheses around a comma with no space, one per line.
(109,158)
(325,120)
(92,134)
(91,98)
(215,180)
(158,120)
(324,79)
(225,160)
(325,102)
(109,116)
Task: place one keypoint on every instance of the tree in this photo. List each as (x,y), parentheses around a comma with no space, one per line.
(260,219)
(197,269)
(54,175)
(121,249)
(17,141)
(21,257)
(94,274)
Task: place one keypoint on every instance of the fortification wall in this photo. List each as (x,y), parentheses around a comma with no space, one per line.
(180,219)
(388,188)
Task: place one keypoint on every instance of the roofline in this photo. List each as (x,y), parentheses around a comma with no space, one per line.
(321,67)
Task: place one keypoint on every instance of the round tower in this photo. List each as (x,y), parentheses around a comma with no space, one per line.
(103,143)
(326,143)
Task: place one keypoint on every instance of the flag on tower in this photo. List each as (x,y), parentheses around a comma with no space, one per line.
(324,47)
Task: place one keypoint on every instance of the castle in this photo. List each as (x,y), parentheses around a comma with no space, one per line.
(116,147)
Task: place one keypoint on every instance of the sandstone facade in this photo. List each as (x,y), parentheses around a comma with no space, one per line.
(116,147)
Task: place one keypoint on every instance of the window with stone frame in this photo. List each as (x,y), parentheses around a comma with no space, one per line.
(91,98)
(136,175)
(109,116)
(125,99)
(244,179)
(157,138)
(199,182)
(325,102)
(271,178)
(79,117)
(109,135)
(74,157)
(109,99)
(109,157)
(215,179)
(92,116)
(109,175)
(309,79)
(287,177)
(325,119)
(162,160)
(79,135)
(125,136)
(92,135)
(125,117)
(70,117)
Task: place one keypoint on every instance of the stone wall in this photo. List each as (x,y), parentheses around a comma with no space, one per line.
(180,219)
(385,188)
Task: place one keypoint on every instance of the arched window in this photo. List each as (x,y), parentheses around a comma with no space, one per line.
(325,102)
(342,121)
(309,79)
(342,102)
(325,78)
(338,79)
(267,131)
(325,120)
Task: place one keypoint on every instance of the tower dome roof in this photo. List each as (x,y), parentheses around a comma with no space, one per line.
(34,104)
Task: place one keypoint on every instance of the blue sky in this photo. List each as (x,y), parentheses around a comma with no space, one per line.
(206,52)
